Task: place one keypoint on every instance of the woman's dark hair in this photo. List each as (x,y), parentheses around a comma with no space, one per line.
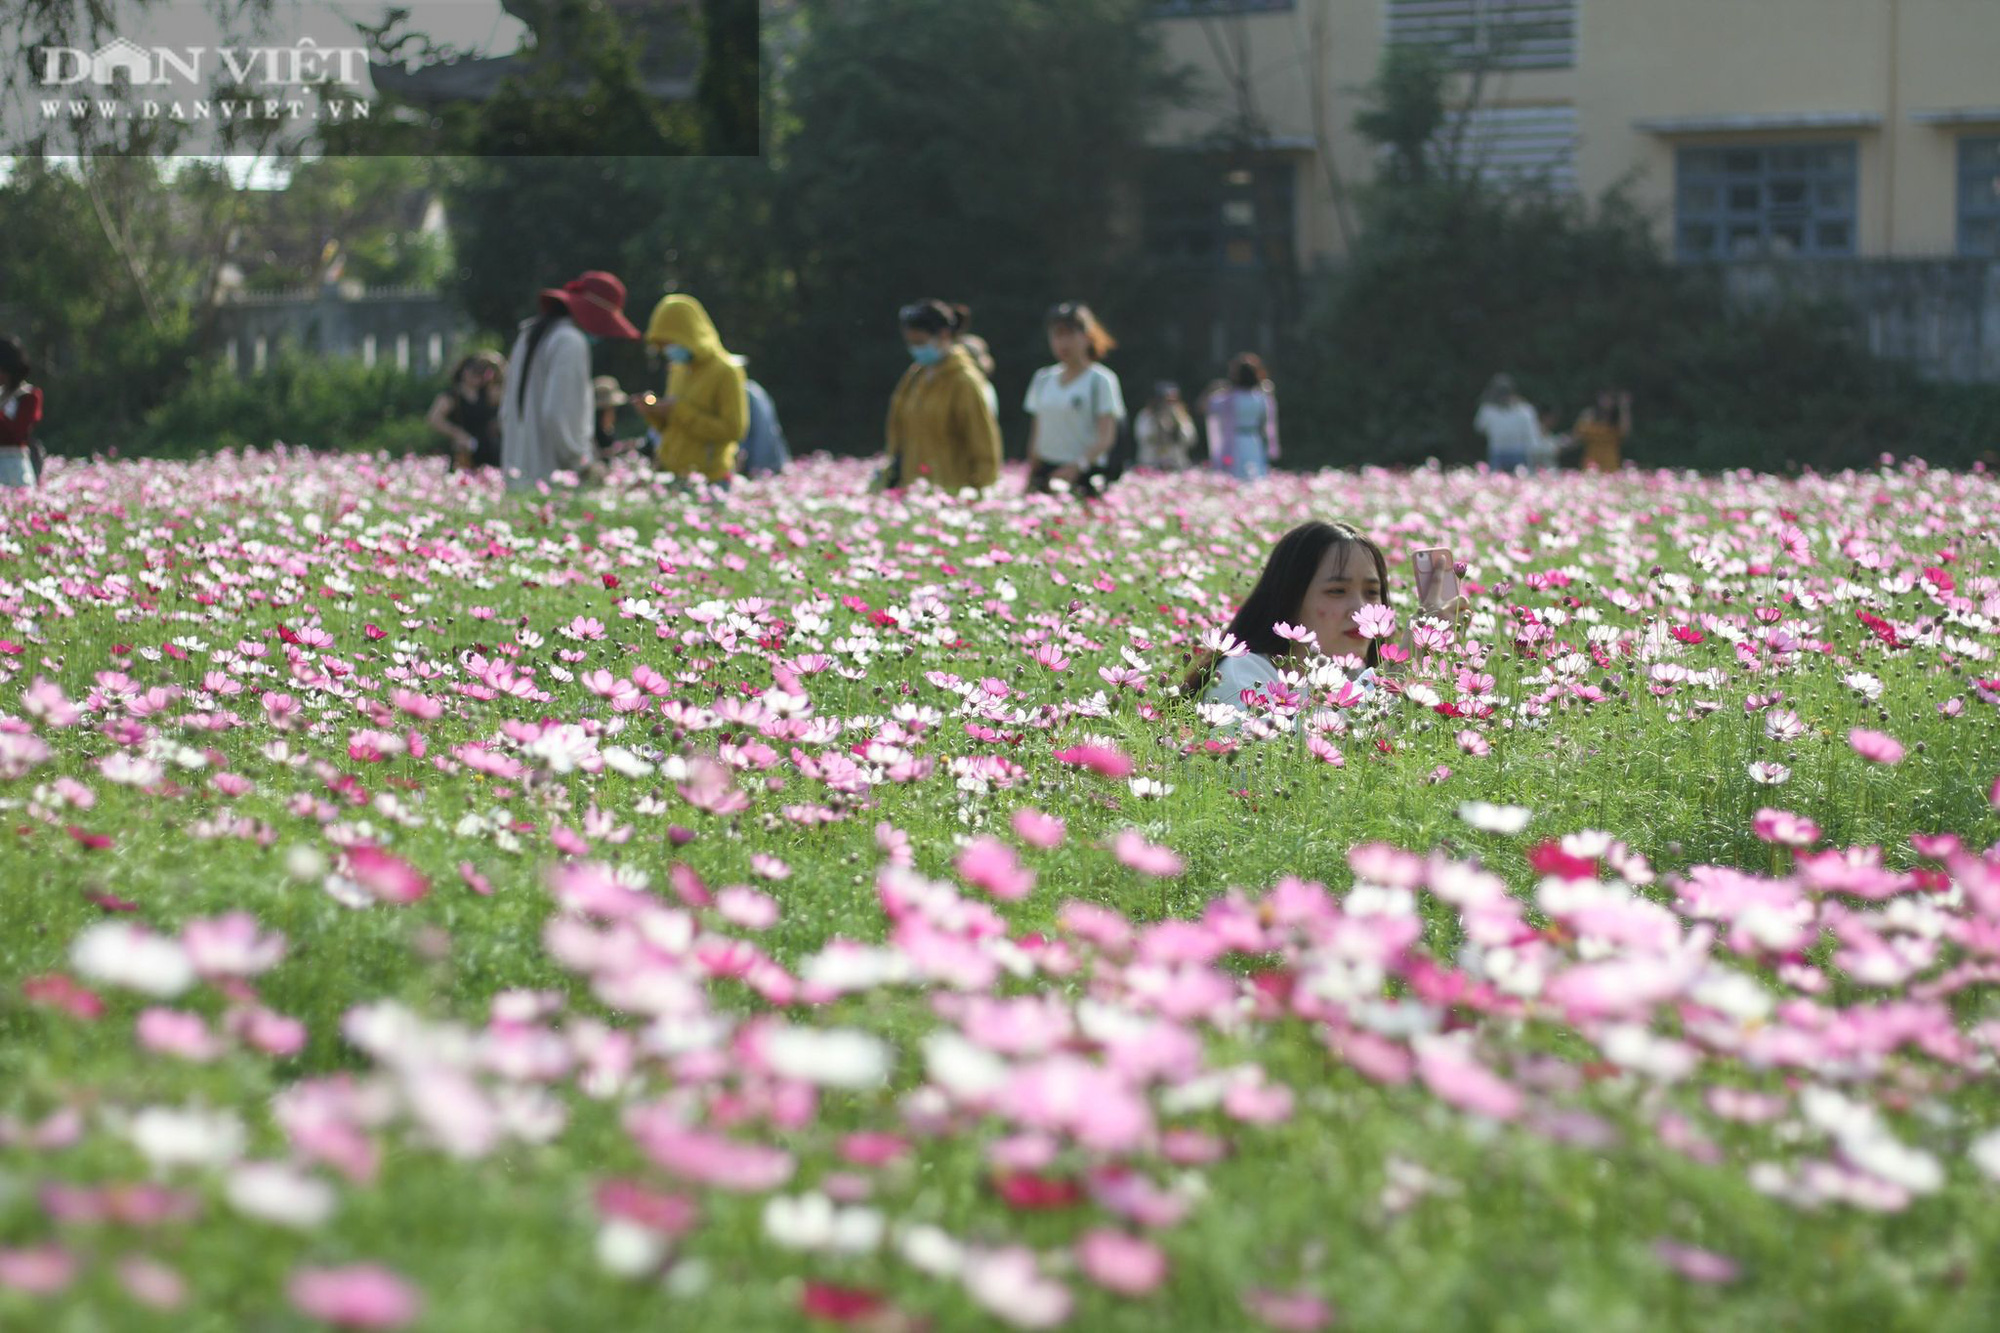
(1282,588)
(13,361)
(536,332)
(1076,315)
(1246,371)
(931,315)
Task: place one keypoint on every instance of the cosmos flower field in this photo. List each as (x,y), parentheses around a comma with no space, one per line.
(814,909)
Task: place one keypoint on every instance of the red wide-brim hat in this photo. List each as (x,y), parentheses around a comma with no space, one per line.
(596,301)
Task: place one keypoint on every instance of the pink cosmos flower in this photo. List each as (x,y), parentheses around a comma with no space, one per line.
(1290,1311)
(1375,621)
(1696,1265)
(1457,1078)
(230,945)
(1876,747)
(1135,852)
(42,1270)
(1037,829)
(358,1296)
(744,906)
(990,864)
(1785,828)
(1103,760)
(1119,1262)
(151,1283)
(385,875)
(176,1033)
(1009,1284)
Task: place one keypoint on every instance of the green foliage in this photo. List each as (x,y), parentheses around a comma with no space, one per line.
(726,98)
(968,152)
(1405,110)
(318,402)
(1450,284)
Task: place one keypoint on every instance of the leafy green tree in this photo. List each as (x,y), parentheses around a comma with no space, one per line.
(973,152)
(726,97)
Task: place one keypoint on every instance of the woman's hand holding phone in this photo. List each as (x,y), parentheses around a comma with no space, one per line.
(1437,582)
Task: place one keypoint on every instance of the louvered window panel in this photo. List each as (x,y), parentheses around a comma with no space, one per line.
(1519,146)
(1497,34)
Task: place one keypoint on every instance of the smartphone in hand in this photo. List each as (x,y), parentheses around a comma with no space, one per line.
(1437,580)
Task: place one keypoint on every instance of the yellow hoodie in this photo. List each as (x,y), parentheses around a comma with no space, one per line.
(710,412)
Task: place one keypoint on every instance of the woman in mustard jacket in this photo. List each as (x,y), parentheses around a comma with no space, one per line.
(704,413)
(941,424)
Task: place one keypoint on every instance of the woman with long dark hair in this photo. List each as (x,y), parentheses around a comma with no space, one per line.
(1320,582)
(467,413)
(546,415)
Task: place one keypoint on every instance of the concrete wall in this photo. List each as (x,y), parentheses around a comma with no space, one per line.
(416,330)
(1940,315)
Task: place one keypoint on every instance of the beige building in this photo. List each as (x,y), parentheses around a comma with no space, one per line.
(1746,128)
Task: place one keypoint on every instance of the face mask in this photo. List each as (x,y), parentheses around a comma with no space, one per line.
(927,354)
(593,339)
(678,354)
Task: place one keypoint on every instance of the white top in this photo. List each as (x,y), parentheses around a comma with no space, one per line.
(1066,414)
(1511,430)
(1253,671)
(552,430)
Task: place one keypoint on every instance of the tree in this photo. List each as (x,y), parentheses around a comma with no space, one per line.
(979,156)
(726,98)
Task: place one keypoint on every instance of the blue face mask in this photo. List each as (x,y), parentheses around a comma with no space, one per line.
(593,338)
(678,354)
(927,354)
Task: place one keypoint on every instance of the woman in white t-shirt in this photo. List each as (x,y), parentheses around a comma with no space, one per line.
(1513,432)
(1075,405)
(1317,581)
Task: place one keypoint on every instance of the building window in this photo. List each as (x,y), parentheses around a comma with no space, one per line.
(1511,147)
(1491,34)
(1979,198)
(1742,202)
(1205,215)
(1181,9)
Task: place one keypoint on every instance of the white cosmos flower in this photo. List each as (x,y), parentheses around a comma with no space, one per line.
(626,1249)
(811,1221)
(280,1193)
(830,1057)
(1490,818)
(964,1070)
(1985,1153)
(1770,774)
(117,953)
(170,1136)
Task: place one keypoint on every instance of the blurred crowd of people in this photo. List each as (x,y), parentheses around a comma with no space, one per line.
(541,409)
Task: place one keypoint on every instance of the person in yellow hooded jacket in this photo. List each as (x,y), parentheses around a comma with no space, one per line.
(941,424)
(704,413)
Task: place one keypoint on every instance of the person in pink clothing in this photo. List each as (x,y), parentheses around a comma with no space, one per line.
(1243,421)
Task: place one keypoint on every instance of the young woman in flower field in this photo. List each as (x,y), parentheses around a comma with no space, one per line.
(941,423)
(1075,405)
(467,413)
(1324,586)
